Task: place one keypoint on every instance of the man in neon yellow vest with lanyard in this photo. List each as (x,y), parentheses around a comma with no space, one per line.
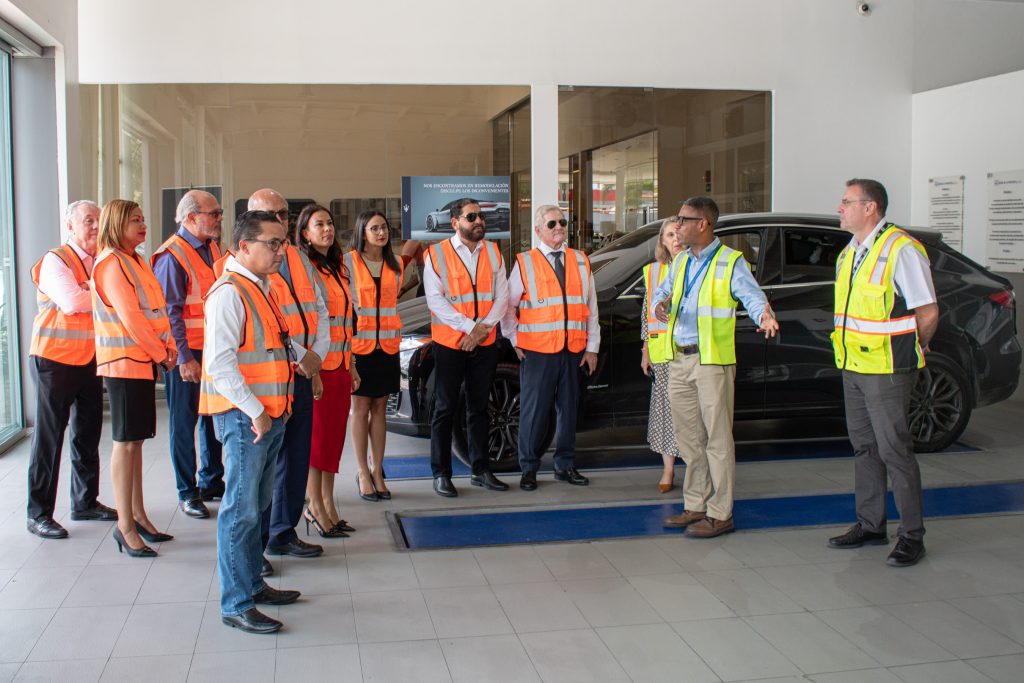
(698,301)
(885,315)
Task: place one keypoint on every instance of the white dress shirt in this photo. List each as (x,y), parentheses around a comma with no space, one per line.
(439,304)
(912,275)
(225,327)
(510,323)
(57,281)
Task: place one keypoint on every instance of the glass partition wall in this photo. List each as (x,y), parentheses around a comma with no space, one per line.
(11,417)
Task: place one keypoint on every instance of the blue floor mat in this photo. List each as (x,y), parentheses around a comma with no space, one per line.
(433,530)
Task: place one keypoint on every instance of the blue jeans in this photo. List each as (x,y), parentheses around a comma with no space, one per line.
(183,406)
(249,484)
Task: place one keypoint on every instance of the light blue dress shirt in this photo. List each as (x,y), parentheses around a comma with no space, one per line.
(743,287)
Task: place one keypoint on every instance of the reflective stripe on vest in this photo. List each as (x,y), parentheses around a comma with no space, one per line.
(112,339)
(472,297)
(716,309)
(339,308)
(199,279)
(297,298)
(875,333)
(263,358)
(376,312)
(654,273)
(551,320)
(62,337)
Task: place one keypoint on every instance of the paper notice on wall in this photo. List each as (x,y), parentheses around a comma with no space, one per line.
(1006,221)
(946,209)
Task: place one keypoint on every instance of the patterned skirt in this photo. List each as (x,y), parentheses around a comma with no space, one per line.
(660,435)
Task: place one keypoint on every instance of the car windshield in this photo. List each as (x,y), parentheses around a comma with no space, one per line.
(613,263)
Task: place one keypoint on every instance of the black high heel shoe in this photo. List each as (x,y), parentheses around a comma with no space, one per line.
(152,537)
(372,497)
(343,526)
(333,532)
(383,495)
(144,551)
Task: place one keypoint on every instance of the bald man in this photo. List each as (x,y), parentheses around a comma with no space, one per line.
(302,299)
(184,267)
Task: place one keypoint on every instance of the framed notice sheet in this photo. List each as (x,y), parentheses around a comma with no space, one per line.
(1006,221)
(946,209)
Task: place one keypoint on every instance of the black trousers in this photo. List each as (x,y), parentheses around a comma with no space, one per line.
(292,469)
(65,393)
(546,379)
(452,369)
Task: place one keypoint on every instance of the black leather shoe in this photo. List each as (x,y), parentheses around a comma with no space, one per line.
(571,476)
(267,569)
(443,486)
(528,482)
(907,553)
(855,537)
(297,548)
(46,527)
(253,621)
(194,508)
(488,481)
(272,596)
(100,512)
(215,492)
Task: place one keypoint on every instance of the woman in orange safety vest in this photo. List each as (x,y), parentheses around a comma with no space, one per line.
(133,336)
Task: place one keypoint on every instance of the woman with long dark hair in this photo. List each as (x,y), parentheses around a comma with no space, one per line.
(375,276)
(315,236)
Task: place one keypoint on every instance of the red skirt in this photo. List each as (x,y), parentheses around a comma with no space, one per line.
(330,420)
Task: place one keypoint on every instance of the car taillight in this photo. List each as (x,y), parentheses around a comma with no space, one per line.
(1004,298)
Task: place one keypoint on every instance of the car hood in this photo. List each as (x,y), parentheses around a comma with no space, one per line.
(415,316)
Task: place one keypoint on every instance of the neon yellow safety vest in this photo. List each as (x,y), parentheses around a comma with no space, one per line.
(654,273)
(876,334)
(716,309)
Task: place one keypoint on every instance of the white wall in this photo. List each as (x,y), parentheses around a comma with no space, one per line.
(971,130)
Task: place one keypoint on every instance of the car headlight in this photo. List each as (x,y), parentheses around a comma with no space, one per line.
(405,350)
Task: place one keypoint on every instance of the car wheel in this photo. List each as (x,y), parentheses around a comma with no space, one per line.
(431,225)
(503,430)
(940,406)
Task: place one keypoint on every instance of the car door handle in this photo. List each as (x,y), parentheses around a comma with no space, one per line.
(742,314)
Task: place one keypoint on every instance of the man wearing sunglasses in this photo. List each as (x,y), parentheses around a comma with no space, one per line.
(698,300)
(467,294)
(552,323)
(184,268)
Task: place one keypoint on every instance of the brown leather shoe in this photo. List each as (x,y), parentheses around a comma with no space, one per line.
(709,527)
(680,521)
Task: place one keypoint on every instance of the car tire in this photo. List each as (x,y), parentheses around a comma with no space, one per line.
(431,225)
(940,404)
(503,433)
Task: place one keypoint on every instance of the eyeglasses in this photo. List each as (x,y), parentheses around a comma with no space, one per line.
(378,229)
(272,244)
(561,221)
(471,217)
(216,213)
(683,219)
(847,202)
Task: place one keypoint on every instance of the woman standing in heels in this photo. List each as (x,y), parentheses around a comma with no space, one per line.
(133,336)
(375,275)
(660,435)
(315,236)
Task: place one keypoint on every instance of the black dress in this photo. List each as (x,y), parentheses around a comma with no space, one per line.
(378,370)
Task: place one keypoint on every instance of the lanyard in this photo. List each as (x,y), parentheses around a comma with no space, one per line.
(687,283)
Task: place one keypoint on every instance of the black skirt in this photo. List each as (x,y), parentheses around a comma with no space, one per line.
(132,408)
(378,374)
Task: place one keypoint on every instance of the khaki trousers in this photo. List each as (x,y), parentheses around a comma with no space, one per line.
(702,398)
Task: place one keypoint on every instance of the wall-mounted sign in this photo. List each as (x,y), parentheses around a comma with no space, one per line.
(427,201)
(1006,221)
(946,209)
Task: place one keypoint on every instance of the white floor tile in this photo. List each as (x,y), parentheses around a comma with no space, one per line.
(576,561)
(637,557)
(488,658)
(940,672)
(746,592)
(810,644)
(19,631)
(610,602)
(883,636)
(409,661)
(956,631)
(157,669)
(66,671)
(168,629)
(677,597)
(327,663)
(217,667)
(572,656)
(539,607)
(80,633)
(655,652)
(1005,669)
(734,650)
(447,569)
(401,615)
(464,612)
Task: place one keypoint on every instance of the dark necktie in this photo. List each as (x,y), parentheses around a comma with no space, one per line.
(559,267)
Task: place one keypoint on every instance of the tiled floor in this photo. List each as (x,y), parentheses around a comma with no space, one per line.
(761,605)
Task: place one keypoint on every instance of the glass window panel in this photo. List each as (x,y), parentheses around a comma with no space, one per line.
(10,373)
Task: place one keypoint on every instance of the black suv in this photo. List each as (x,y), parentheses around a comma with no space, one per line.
(974,359)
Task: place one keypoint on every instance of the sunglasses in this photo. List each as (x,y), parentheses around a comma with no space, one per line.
(471,217)
(282,215)
(561,221)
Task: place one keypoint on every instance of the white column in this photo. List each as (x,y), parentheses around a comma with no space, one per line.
(543,146)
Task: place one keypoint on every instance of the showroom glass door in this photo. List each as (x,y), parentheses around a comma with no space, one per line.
(10,384)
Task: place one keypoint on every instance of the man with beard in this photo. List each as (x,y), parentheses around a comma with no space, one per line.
(467,293)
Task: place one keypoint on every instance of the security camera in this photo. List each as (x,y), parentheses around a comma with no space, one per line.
(863,9)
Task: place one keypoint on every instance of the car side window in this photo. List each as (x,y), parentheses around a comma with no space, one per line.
(810,255)
(747,243)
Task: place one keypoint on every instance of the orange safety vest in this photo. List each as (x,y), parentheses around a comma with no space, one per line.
(58,336)
(339,307)
(551,319)
(113,342)
(298,297)
(218,265)
(263,356)
(376,308)
(471,300)
(200,277)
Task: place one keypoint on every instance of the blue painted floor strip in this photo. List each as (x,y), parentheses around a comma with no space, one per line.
(418,466)
(599,522)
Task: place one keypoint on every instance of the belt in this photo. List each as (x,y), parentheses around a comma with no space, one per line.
(687,350)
